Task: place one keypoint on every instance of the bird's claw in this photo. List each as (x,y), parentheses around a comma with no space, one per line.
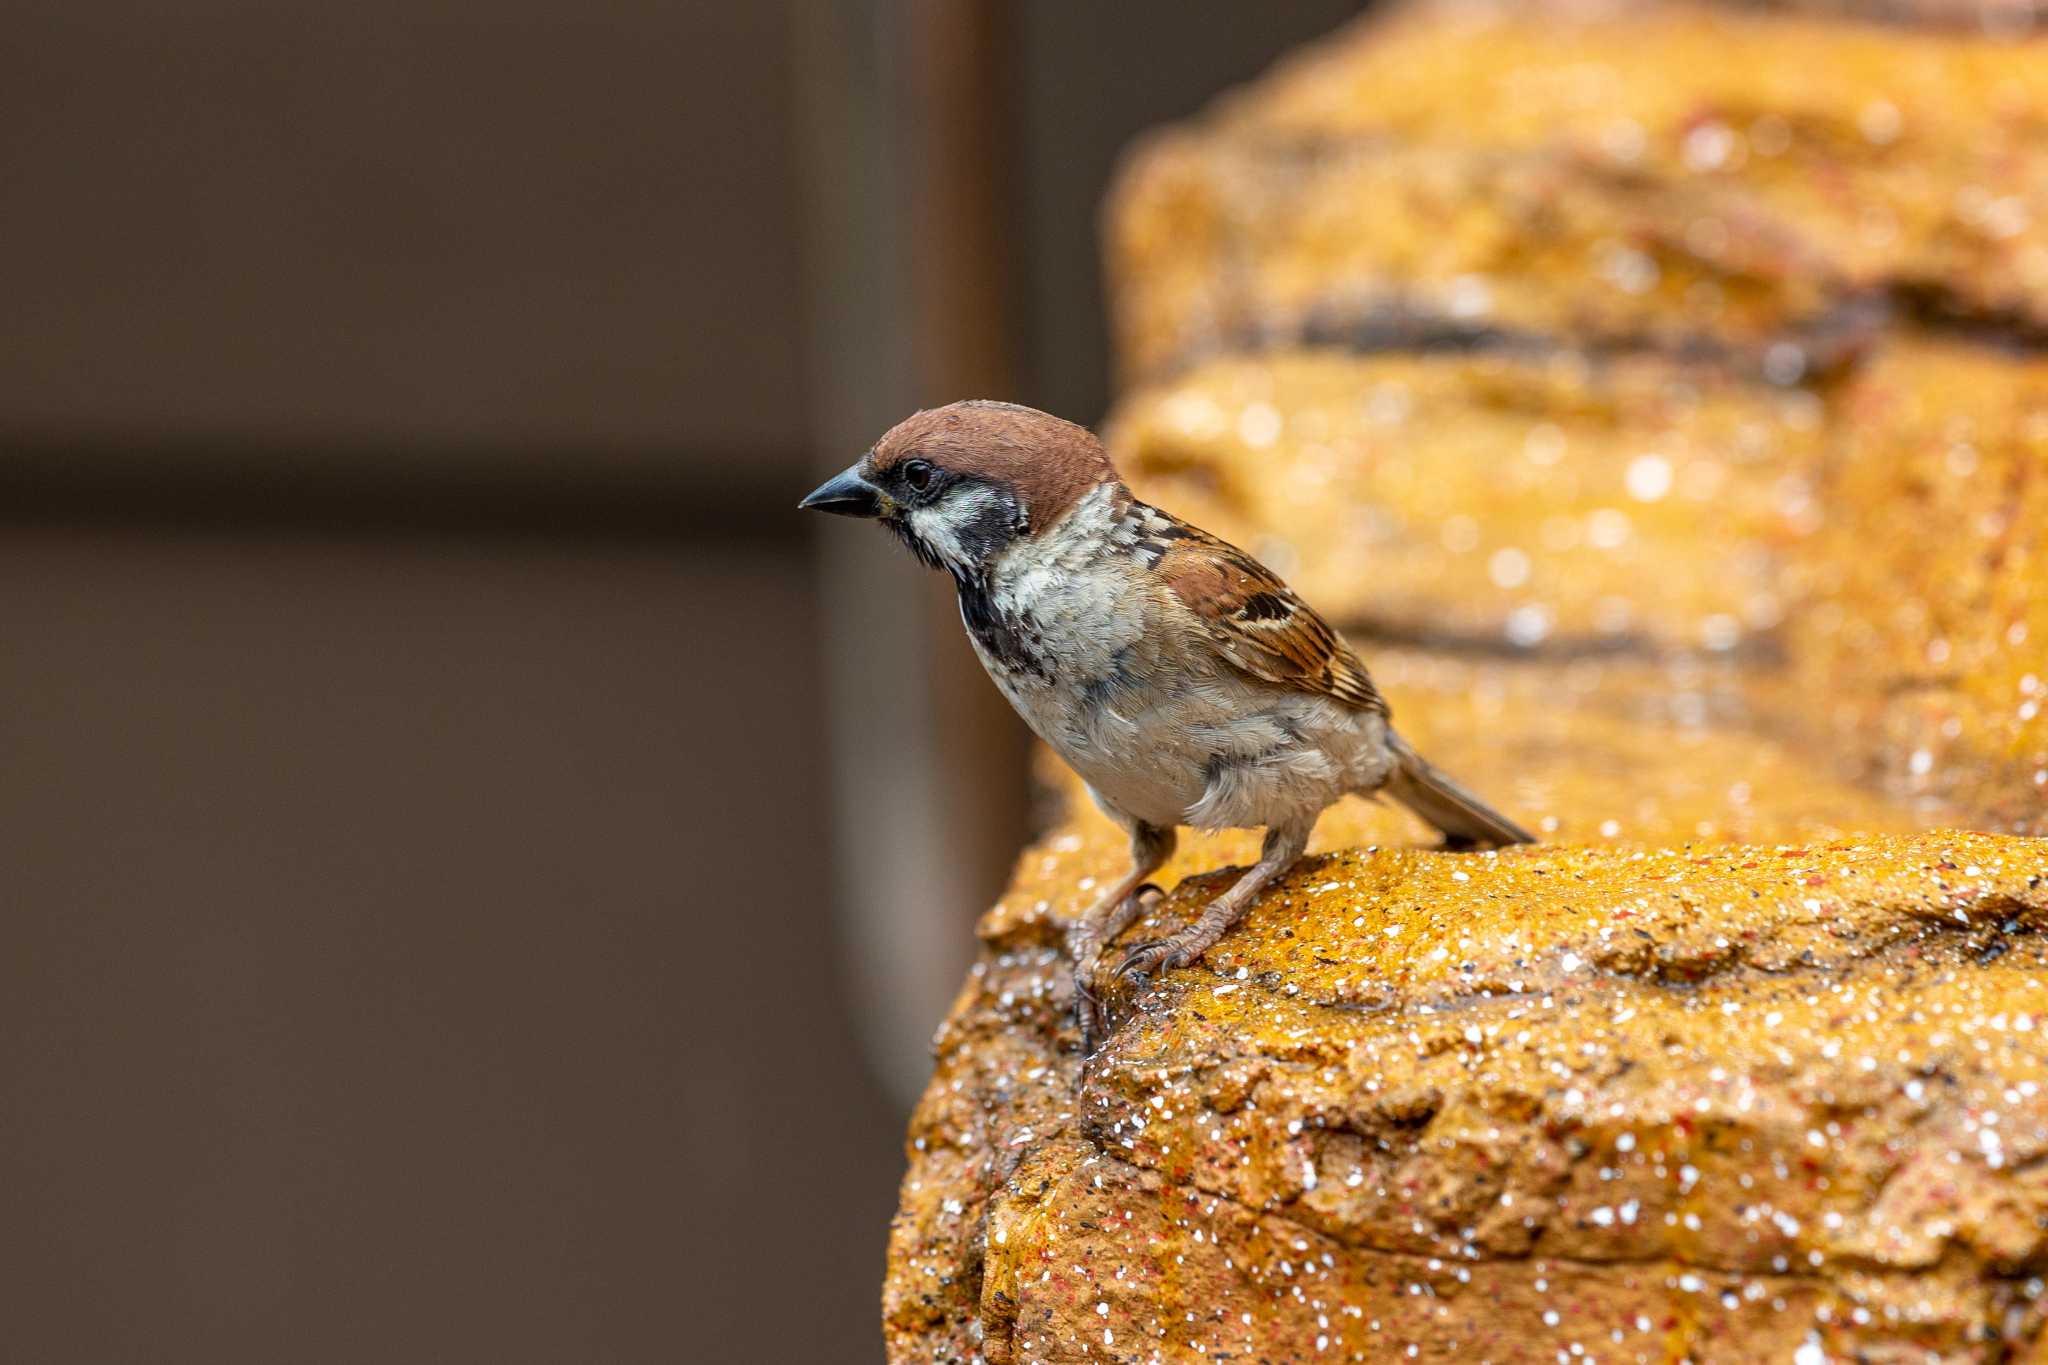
(1087,1014)
(1090,1012)
(1149,959)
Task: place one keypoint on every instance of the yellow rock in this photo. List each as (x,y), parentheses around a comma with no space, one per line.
(1866,566)
(1674,176)
(1684,1103)
(1921,622)
(1501,499)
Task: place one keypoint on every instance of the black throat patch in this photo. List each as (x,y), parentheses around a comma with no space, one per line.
(1007,640)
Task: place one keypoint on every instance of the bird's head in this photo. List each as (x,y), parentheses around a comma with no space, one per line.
(962,483)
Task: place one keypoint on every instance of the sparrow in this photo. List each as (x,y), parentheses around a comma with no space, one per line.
(1181,679)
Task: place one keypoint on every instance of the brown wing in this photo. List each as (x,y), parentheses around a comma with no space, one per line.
(1257,623)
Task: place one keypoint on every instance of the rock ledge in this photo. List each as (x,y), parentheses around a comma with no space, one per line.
(1655,1104)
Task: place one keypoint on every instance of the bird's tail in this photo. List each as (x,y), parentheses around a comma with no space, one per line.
(1465,820)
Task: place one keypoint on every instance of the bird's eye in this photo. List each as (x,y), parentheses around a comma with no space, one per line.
(918,475)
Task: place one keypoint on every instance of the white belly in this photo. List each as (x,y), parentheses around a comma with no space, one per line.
(1210,747)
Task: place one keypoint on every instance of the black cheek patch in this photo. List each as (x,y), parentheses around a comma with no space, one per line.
(992,529)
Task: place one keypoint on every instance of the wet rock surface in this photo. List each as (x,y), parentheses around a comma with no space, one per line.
(1495,500)
(1717,181)
(1652,1092)
(1863,566)
(1926,586)
(1732,586)
(1659,1104)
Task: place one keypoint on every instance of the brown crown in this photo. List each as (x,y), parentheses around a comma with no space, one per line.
(1049,462)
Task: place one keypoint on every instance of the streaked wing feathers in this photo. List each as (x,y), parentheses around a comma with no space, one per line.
(1257,623)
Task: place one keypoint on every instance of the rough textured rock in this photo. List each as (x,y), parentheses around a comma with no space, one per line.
(1712,550)
(1695,1103)
(1927,585)
(1871,556)
(1495,498)
(1716,1065)
(1716,181)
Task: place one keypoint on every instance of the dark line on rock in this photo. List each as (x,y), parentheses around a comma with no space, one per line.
(1828,344)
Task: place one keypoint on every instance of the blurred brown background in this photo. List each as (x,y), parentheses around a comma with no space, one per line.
(427,934)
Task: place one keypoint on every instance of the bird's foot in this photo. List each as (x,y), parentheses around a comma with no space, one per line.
(1158,955)
(1091,1014)
(1088,1016)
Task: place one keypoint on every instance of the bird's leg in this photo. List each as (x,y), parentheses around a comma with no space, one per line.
(1283,846)
(1151,846)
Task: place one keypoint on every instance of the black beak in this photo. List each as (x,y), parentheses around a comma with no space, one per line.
(847,494)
